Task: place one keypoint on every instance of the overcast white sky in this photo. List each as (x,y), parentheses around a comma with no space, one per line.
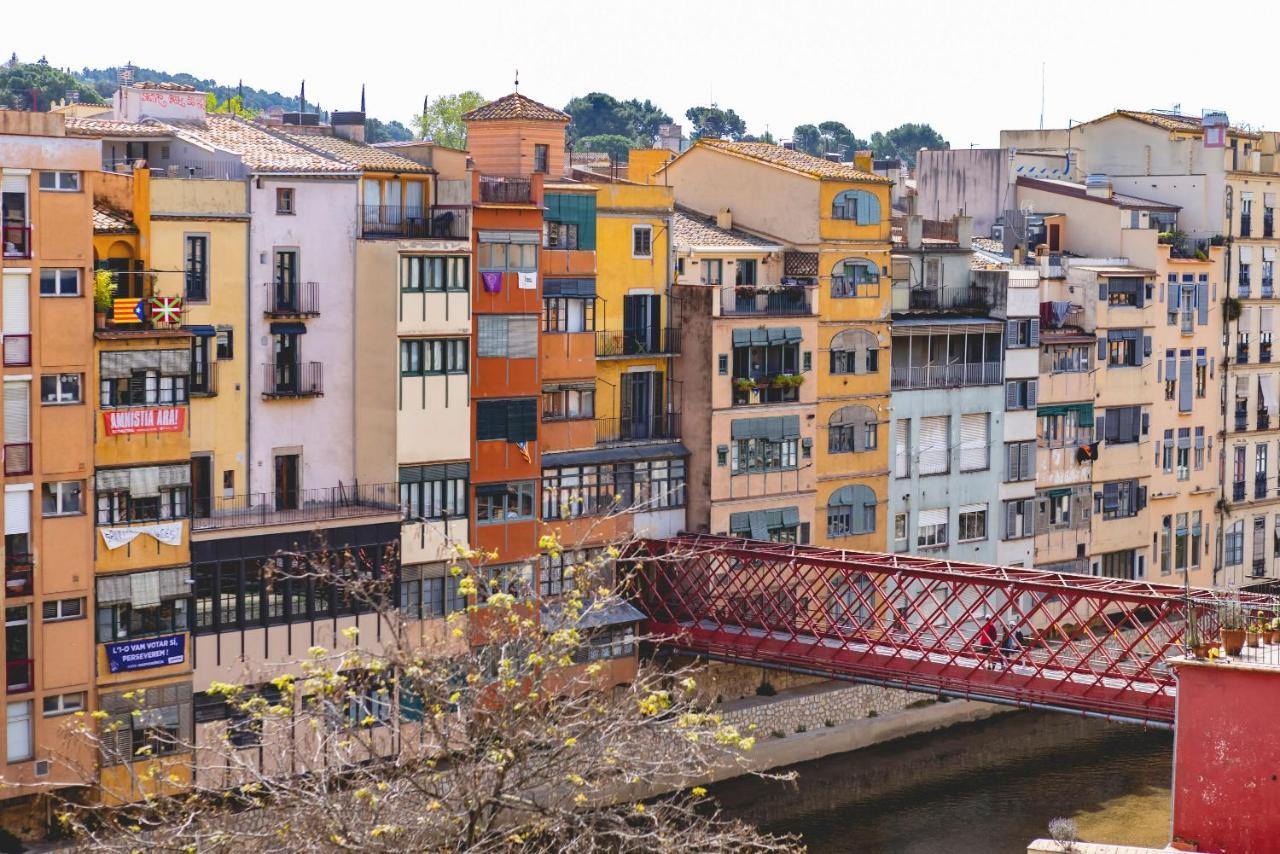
(967,68)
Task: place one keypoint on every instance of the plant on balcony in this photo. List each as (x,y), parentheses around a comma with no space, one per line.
(744,384)
(1230,308)
(1231,626)
(1217,240)
(745,291)
(787,381)
(104,294)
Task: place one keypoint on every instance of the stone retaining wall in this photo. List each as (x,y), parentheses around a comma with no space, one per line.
(827,704)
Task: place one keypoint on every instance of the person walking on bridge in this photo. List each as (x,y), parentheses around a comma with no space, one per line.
(987,643)
(1009,648)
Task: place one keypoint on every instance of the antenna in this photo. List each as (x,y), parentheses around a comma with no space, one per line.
(1042,96)
(362,97)
(517,81)
(302,98)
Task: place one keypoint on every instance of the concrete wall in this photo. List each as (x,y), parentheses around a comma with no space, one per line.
(968,181)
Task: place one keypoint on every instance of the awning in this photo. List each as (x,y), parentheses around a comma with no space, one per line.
(613,614)
(1242,387)
(201,331)
(765,337)
(623,454)
(1083,411)
(288,328)
(758,523)
(774,429)
(568,287)
(1267,385)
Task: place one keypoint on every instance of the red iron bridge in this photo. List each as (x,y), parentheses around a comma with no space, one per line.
(1099,647)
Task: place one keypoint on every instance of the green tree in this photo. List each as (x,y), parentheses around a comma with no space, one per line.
(837,137)
(643,120)
(232,106)
(715,123)
(612,144)
(764,137)
(443,123)
(600,114)
(24,82)
(905,140)
(807,138)
(392,131)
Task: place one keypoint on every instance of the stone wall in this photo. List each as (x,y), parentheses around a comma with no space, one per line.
(814,706)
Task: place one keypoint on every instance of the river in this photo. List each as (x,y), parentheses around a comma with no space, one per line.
(990,786)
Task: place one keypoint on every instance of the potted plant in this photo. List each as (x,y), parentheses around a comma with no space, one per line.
(1273,630)
(787,380)
(1196,642)
(1231,308)
(1231,627)
(104,294)
(744,384)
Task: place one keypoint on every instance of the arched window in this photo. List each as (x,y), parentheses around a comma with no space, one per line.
(855,351)
(852,428)
(858,205)
(851,510)
(855,277)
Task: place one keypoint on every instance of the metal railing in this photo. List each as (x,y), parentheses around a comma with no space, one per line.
(506,190)
(16,240)
(293,379)
(19,574)
(948,376)
(204,383)
(20,674)
(1246,225)
(963,298)
(1238,490)
(785,300)
(295,505)
(1260,486)
(1242,354)
(225,170)
(649,341)
(292,299)
(17,458)
(396,221)
(1268,225)
(17,350)
(662,425)
(1264,419)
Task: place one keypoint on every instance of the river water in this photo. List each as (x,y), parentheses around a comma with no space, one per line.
(990,786)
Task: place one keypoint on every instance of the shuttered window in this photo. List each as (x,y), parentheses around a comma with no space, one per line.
(1020,394)
(1018,519)
(514,420)
(973,441)
(17,512)
(1020,461)
(17,412)
(902,448)
(506,335)
(17,311)
(934,447)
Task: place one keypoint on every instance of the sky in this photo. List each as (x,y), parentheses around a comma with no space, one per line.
(967,68)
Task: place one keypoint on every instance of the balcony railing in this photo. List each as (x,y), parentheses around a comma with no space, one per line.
(204,383)
(297,505)
(20,674)
(960,298)
(506,190)
(1264,420)
(1238,490)
(1242,420)
(293,379)
(1268,288)
(17,351)
(1260,486)
(1268,225)
(292,299)
(1242,354)
(19,574)
(784,300)
(753,391)
(1246,225)
(948,376)
(226,170)
(17,458)
(397,221)
(17,240)
(653,341)
(663,425)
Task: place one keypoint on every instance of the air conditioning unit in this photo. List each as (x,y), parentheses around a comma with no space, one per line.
(42,767)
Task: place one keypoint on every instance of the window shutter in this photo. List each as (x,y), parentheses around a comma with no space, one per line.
(17,512)
(973,441)
(491,419)
(1026,460)
(17,412)
(1142,497)
(1146,347)
(1011,395)
(901,460)
(934,450)
(1033,334)
(1010,519)
(1031,393)
(1202,303)
(1184,385)
(1011,461)
(522,337)
(16,305)
(1099,425)
(1168,365)
(1102,349)
(1146,425)
(1011,333)
(868,208)
(1102,291)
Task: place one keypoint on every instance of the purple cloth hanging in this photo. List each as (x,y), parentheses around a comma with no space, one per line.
(492,282)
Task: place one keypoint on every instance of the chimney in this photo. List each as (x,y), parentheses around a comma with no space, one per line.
(915,231)
(349,125)
(964,231)
(724,219)
(1097,186)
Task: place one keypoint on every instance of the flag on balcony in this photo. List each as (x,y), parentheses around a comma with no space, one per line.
(166,310)
(492,282)
(523,448)
(128,310)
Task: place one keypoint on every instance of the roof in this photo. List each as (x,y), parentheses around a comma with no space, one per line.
(622,453)
(1079,191)
(110,127)
(261,151)
(594,615)
(797,161)
(1172,122)
(353,153)
(691,228)
(1115,269)
(108,221)
(516,106)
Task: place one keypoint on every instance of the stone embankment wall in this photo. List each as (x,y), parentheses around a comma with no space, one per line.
(812,707)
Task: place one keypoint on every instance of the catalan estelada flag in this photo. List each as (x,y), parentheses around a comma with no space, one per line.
(523,448)
(128,310)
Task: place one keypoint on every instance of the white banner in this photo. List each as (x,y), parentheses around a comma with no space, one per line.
(169,533)
(528,281)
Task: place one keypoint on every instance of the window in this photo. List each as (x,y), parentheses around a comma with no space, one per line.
(423,356)
(62,498)
(934,448)
(560,235)
(1121,425)
(931,528)
(855,277)
(781,525)
(514,420)
(1233,545)
(120,619)
(1069,359)
(712,271)
(434,491)
(1020,394)
(58,389)
(851,510)
(1122,347)
(899,530)
(434,273)
(745,273)
(852,429)
(1066,427)
(1199,448)
(655,484)
(517,253)
(858,205)
(426,597)
(197,267)
(760,363)
(902,451)
(973,523)
(569,492)
(1122,291)
(64,704)
(1022,333)
(569,314)
(60,283)
(641,241)
(53,610)
(497,503)
(284,200)
(855,351)
(18,736)
(975,450)
(1020,461)
(1058,508)
(1119,565)
(722,364)
(67,182)
(146,387)
(507,335)
(1184,453)
(1120,499)
(1019,519)
(541,157)
(757,455)
(553,579)
(142,494)
(226,348)
(569,404)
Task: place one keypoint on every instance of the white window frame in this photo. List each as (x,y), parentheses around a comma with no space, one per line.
(57,487)
(65,704)
(961,538)
(58,399)
(60,176)
(635,232)
(59,274)
(58,608)
(10,720)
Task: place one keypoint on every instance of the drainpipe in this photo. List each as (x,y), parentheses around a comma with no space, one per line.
(248,336)
(1223,400)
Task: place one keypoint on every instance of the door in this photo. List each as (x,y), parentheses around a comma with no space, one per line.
(287,482)
(286,363)
(641,401)
(286,280)
(202,486)
(641,314)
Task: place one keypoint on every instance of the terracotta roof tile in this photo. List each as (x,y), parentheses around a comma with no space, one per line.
(693,229)
(109,221)
(1169,121)
(110,127)
(356,153)
(261,151)
(776,155)
(516,106)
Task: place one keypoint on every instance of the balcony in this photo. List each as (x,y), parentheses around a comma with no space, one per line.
(1264,420)
(1268,225)
(1260,486)
(17,458)
(1242,420)
(17,241)
(652,341)
(1238,490)
(505,191)
(20,674)
(663,425)
(204,383)
(449,222)
(292,299)
(784,300)
(17,351)
(293,379)
(948,376)
(224,170)
(1246,225)
(19,574)
(301,505)
(762,389)
(1242,353)
(965,298)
